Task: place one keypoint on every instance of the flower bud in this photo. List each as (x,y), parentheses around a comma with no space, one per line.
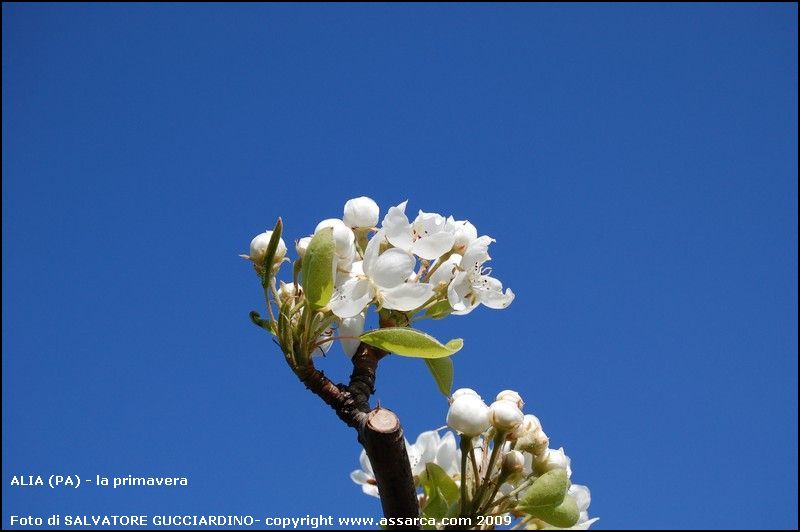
(468,415)
(343,239)
(552,459)
(511,395)
(540,441)
(302,245)
(505,415)
(529,425)
(286,291)
(464,392)
(258,248)
(361,213)
(513,462)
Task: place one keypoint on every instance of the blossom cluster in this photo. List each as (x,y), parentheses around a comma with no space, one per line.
(501,465)
(399,264)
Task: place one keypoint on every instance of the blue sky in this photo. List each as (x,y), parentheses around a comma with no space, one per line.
(637,165)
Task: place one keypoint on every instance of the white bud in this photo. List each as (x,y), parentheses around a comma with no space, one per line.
(464,392)
(505,415)
(343,239)
(540,441)
(287,291)
(529,425)
(511,395)
(302,245)
(258,248)
(468,415)
(361,213)
(513,462)
(552,459)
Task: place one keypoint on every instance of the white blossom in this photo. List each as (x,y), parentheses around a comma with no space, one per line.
(361,213)
(554,459)
(464,233)
(472,285)
(511,395)
(428,237)
(505,415)
(583,498)
(468,414)
(259,245)
(302,245)
(429,447)
(349,331)
(344,241)
(384,277)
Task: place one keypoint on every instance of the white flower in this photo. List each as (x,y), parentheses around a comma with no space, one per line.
(361,213)
(365,476)
(446,271)
(258,248)
(472,286)
(554,459)
(349,331)
(383,277)
(468,414)
(302,245)
(464,234)
(583,498)
(429,237)
(344,241)
(430,447)
(505,415)
(511,395)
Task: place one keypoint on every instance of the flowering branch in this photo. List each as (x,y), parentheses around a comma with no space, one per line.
(431,267)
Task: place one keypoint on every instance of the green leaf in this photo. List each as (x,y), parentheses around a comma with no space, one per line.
(318,269)
(564,515)
(269,258)
(439,480)
(439,310)
(437,506)
(442,371)
(268,325)
(547,491)
(410,342)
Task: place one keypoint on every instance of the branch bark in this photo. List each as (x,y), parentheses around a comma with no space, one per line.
(379,431)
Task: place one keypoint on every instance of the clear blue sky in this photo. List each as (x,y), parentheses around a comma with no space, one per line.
(637,165)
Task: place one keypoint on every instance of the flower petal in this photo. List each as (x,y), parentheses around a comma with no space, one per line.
(495,298)
(392,268)
(363,459)
(476,254)
(350,299)
(353,328)
(433,246)
(448,456)
(407,296)
(445,272)
(459,293)
(427,444)
(372,252)
(397,227)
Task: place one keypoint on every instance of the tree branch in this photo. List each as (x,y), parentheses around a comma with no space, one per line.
(379,430)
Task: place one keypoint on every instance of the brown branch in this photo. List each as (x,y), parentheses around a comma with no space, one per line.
(379,430)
